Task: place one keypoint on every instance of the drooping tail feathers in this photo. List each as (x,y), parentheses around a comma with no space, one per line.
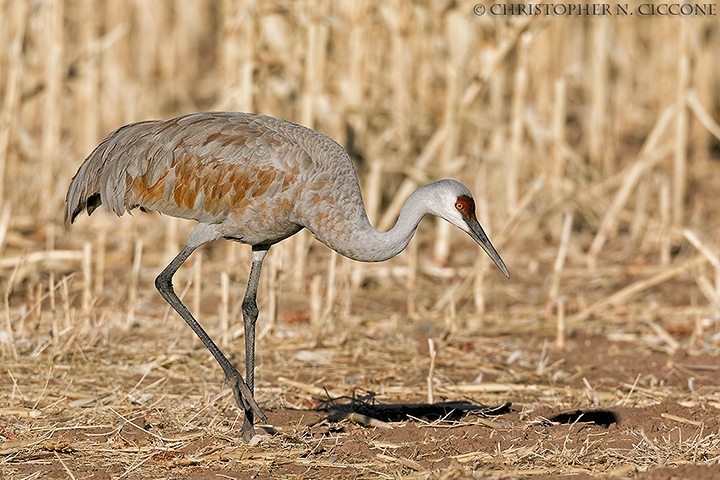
(102,178)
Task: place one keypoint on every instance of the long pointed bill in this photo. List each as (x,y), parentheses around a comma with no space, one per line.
(477,234)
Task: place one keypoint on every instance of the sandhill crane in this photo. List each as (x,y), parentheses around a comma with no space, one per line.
(257,180)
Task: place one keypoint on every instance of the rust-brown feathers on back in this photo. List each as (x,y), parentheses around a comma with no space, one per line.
(200,166)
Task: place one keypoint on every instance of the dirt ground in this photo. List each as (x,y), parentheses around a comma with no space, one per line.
(634,393)
(149,402)
(618,118)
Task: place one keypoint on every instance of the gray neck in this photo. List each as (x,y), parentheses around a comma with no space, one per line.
(360,241)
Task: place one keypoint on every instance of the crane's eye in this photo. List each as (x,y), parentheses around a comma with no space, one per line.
(466,206)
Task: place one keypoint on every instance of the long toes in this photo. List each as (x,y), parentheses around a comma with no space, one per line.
(243,396)
(248,431)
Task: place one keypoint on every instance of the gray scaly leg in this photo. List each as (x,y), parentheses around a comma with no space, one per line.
(250,316)
(241,391)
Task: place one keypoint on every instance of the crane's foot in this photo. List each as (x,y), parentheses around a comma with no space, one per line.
(248,431)
(246,402)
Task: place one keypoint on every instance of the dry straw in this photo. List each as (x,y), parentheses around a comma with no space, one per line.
(14,64)
(619,114)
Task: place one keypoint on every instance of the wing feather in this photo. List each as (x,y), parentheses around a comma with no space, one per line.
(200,166)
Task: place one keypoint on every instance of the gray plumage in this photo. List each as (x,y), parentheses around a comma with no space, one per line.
(256,180)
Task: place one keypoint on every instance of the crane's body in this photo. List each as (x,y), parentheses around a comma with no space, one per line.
(256,180)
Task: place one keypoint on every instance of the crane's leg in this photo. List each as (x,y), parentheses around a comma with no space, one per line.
(250,316)
(243,395)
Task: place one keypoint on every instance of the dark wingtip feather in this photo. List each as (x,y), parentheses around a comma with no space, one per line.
(70,217)
(91,204)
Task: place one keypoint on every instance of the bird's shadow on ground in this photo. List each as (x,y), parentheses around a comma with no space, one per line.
(366,411)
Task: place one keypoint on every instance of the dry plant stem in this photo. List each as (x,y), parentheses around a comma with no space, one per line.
(42,256)
(560,330)
(330,293)
(115,88)
(197,283)
(431,371)
(412,264)
(224,308)
(365,420)
(87,278)
(498,57)
(558,129)
(346,296)
(673,345)
(372,192)
(52,114)
(681,127)
(451,326)
(701,113)
(676,418)
(514,219)
(707,290)
(699,331)
(10,335)
(171,238)
(100,263)
(492,387)
(559,262)
(238,55)
(134,280)
(481,265)
(453,68)
(590,392)
(356,43)
(632,389)
(247,60)
(634,288)
(647,158)
(149,34)
(692,237)
(88,104)
(638,228)
(4,224)
(516,136)
(274,271)
(655,448)
(35,309)
(310,389)
(598,143)
(664,240)
(481,269)
(65,295)
(317,36)
(65,467)
(51,291)
(12,89)
(395,16)
(316,306)
(300,253)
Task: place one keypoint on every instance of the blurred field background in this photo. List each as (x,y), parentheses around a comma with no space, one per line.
(592,146)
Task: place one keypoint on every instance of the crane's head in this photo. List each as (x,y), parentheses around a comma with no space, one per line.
(452,201)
